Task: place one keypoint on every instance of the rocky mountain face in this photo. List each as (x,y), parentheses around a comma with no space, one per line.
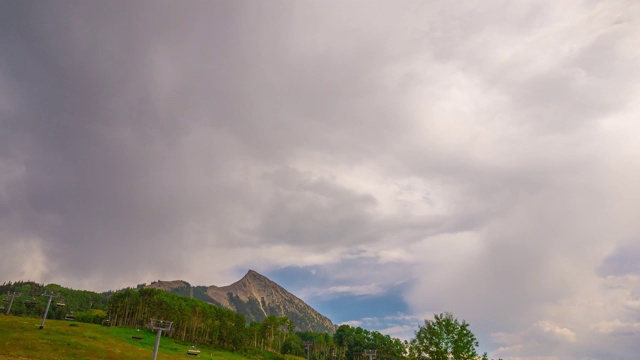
(256,297)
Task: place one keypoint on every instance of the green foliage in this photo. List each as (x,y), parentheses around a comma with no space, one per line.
(351,343)
(193,319)
(271,334)
(293,345)
(444,338)
(31,303)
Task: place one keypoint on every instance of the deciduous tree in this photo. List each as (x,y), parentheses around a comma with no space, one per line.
(444,338)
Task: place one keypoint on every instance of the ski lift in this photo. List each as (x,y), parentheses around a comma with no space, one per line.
(60,304)
(5,300)
(193,351)
(70,316)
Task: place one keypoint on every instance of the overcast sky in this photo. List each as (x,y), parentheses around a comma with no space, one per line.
(383,161)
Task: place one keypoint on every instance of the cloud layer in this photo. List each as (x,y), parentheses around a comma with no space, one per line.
(477,158)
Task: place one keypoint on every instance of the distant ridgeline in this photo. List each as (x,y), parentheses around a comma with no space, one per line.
(254,296)
(181,288)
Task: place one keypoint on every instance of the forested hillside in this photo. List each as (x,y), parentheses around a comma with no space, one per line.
(82,305)
(192,318)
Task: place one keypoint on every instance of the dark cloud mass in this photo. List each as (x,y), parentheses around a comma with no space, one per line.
(409,157)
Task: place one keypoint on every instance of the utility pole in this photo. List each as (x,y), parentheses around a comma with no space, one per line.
(48,304)
(12,296)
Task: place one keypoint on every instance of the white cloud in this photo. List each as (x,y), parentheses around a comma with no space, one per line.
(370,289)
(555,332)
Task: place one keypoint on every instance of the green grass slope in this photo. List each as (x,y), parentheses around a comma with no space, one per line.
(21,339)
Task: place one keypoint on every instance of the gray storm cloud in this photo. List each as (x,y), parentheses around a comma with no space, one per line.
(481,156)
(145,132)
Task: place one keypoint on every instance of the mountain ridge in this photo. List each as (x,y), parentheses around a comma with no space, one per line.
(256,297)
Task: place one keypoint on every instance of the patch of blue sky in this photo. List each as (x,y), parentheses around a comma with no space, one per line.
(343,307)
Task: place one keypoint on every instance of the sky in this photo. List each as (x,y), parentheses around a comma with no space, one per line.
(383,160)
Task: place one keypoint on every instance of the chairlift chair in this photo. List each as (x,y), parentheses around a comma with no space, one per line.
(193,351)
(60,304)
(70,316)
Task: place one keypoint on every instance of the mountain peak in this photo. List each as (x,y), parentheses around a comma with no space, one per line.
(253,275)
(256,297)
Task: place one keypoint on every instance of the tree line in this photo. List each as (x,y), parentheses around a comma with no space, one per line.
(193,320)
(81,305)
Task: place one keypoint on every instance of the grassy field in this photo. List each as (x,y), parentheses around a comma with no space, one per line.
(21,339)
